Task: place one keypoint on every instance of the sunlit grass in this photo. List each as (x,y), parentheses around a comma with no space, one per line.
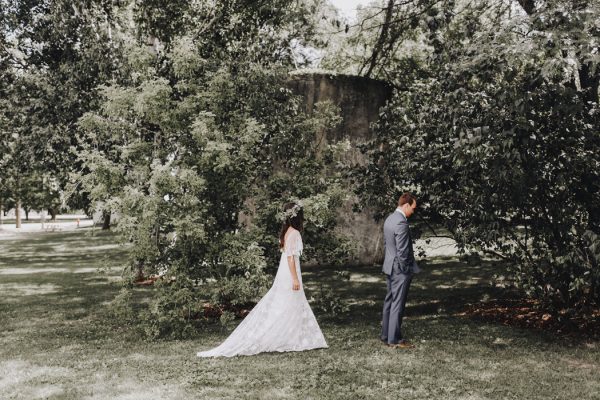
(58,341)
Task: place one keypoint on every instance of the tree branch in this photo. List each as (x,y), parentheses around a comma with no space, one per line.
(372,61)
(495,253)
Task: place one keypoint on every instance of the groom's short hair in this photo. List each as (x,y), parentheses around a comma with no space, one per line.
(406,198)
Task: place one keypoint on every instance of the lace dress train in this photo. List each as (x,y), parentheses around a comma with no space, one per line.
(281,321)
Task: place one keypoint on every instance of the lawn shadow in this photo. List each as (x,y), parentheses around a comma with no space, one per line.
(444,286)
(439,294)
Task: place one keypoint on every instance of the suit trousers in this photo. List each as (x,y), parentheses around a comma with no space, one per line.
(393,306)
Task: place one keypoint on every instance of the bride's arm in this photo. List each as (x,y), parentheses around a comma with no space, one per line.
(295,280)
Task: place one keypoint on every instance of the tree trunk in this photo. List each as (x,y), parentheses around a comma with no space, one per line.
(18,213)
(1,212)
(105,220)
(52,212)
(26,214)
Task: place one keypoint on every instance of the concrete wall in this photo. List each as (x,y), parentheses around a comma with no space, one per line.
(360,100)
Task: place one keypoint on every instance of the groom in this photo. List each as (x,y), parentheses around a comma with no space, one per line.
(399,265)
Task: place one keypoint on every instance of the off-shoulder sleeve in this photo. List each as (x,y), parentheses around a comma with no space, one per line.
(293,244)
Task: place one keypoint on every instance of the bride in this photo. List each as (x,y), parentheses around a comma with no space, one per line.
(282,320)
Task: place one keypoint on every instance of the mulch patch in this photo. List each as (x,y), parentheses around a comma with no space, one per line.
(527,313)
(146,281)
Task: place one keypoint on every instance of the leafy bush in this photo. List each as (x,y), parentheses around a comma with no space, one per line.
(226,318)
(172,310)
(241,277)
(198,154)
(501,145)
(121,308)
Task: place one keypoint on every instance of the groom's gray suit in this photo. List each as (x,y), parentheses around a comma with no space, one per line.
(399,265)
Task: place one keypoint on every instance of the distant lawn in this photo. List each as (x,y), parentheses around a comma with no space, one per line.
(36,220)
(13,221)
(57,340)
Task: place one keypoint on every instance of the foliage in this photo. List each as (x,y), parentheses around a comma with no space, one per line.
(177,118)
(121,308)
(241,275)
(500,142)
(198,151)
(171,310)
(53,55)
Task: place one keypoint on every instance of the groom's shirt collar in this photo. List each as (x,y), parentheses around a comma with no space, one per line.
(401,212)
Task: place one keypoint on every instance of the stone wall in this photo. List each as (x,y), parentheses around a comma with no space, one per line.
(360,100)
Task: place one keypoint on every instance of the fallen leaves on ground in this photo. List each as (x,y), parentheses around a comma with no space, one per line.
(528,313)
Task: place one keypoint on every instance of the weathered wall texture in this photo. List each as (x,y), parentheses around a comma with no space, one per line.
(359,100)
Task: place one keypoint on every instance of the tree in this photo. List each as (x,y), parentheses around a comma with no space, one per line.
(500,142)
(198,147)
(56,54)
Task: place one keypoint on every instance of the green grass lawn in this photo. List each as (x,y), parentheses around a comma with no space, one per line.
(57,340)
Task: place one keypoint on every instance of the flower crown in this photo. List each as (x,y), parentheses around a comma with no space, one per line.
(292,212)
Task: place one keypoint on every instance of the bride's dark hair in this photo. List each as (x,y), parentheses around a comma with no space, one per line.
(294,218)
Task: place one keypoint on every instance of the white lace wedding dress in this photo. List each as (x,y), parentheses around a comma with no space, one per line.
(281,321)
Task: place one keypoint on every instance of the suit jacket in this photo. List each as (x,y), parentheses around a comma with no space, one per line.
(399,254)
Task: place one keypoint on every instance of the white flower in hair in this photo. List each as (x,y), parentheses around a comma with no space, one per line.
(292,212)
